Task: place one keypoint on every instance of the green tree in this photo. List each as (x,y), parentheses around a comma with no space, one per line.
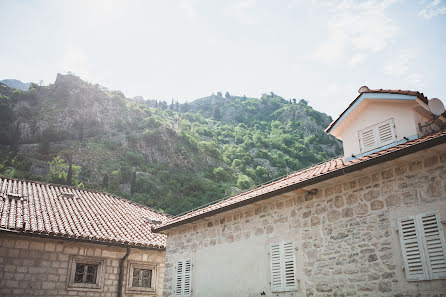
(243,182)
(59,170)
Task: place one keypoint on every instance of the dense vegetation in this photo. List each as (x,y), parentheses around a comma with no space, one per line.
(172,157)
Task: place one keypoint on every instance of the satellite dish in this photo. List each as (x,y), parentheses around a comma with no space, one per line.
(436,106)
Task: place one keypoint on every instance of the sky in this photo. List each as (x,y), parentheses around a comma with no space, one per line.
(322,51)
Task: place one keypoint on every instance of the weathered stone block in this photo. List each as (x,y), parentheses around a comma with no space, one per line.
(315,220)
(338,201)
(364,181)
(347,212)
(415,165)
(387,174)
(371,195)
(351,198)
(431,161)
(333,215)
(393,200)
(361,209)
(409,197)
(376,205)
(372,258)
(400,170)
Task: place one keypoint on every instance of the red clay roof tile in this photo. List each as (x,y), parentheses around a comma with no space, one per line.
(292,179)
(40,208)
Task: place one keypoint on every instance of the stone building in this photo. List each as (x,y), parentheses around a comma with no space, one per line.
(63,241)
(370,223)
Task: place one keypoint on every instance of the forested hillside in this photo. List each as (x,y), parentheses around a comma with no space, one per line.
(170,156)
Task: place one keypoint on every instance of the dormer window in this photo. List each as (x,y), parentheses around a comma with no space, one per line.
(377,136)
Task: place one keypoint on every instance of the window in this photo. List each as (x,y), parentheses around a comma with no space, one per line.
(423,246)
(141,277)
(283,267)
(183,278)
(86,273)
(377,136)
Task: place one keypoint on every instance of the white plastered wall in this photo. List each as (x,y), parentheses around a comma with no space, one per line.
(372,112)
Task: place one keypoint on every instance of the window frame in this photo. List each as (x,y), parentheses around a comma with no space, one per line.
(131,266)
(421,239)
(96,287)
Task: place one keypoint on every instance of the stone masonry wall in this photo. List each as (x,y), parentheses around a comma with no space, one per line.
(346,238)
(39,267)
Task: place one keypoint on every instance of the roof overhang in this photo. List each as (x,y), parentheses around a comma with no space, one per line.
(364,96)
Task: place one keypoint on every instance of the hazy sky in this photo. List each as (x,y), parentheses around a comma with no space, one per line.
(322,51)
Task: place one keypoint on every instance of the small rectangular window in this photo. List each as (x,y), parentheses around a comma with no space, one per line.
(86,273)
(423,246)
(283,267)
(142,277)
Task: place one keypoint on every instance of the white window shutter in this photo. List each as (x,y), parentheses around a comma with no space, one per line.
(377,136)
(386,132)
(276,268)
(179,279)
(367,139)
(289,264)
(411,246)
(283,267)
(187,278)
(434,244)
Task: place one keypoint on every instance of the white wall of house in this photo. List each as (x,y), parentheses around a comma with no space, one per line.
(345,235)
(371,112)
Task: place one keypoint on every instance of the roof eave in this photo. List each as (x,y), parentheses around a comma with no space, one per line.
(81,239)
(363,96)
(336,173)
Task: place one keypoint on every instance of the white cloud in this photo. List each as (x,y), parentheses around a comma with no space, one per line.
(357,29)
(188,7)
(433,9)
(357,59)
(400,64)
(242,9)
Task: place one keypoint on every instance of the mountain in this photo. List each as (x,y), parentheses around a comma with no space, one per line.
(172,157)
(16,84)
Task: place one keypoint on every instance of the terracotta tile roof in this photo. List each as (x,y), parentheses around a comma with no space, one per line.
(44,209)
(383,91)
(309,176)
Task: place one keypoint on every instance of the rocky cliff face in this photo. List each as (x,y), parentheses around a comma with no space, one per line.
(171,157)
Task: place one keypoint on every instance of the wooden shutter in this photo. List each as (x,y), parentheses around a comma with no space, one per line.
(434,245)
(386,132)
(183,278)
(289,264)
(276,268)
(367,139)
(412,249)
(179,279)
(423,245)
(377,135)
(283,267)
(187,278)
